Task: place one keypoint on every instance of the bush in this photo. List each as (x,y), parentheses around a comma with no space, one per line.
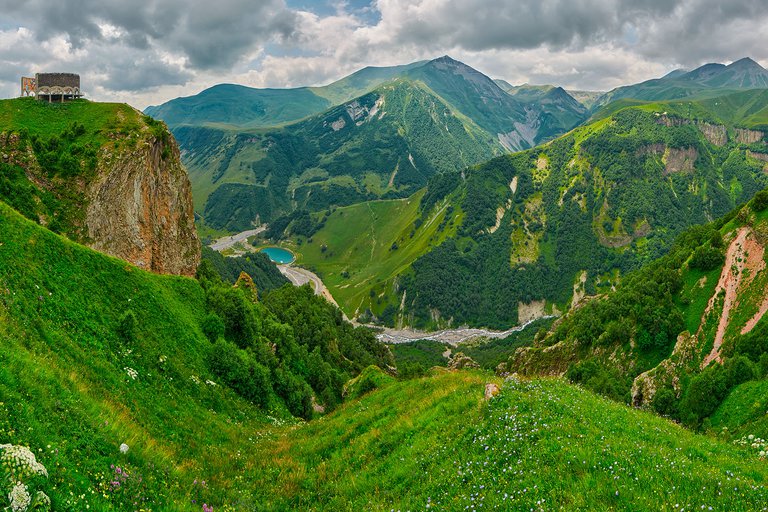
(239,371)
(703,396)
(739,369)
(706,258)
(127,326)
(213,327)
(760,201)
(295,392)
(665,403)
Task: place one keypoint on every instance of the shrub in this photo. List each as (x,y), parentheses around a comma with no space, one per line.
(239,371)
(665,403)
(704,394)
(706,258)
(760,201)
(295,392)
(127,326)
(213,327)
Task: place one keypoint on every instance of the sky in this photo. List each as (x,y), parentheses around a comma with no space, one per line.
(146,52)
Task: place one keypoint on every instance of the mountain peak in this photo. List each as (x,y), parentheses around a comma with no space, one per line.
(447,59)
(745,63)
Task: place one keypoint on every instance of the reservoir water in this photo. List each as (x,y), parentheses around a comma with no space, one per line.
(278,255)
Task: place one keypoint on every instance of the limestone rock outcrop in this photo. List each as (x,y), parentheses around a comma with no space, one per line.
(140,207)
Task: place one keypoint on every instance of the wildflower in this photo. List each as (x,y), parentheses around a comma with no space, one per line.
(123,448)
(20,498)
(207,508)
(133,374)
(21,461)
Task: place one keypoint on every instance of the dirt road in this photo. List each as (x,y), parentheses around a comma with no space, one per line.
(301,276)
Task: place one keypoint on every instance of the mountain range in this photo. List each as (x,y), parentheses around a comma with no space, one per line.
(395,127)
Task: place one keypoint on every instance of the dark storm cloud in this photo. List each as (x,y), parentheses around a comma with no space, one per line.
(677,28)
(210,34)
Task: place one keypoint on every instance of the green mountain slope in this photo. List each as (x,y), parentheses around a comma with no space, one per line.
(706,81)
(247,107)
(361,249)
(540,228)
(229,104)
(384,144)
(684,335)
(95,353)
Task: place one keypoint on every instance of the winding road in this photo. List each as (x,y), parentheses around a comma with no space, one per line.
(226,242)
(301,276)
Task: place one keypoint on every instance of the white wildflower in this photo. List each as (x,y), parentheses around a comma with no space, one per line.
(42,499)
(19,497)
(123,448)
(131,372)
(210,383)
(195,379)
(20,461)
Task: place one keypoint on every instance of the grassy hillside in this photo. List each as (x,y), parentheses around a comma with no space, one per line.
(78,380)
(361,249)
(434,443)
(97,353)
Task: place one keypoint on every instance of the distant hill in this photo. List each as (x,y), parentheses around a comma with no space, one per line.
(246,107)
(436,116)
(707,80)
(527,92)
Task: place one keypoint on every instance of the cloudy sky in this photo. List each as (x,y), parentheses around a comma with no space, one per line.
(148,51)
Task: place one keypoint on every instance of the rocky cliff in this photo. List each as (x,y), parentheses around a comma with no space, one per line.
(140,208)
(103,175)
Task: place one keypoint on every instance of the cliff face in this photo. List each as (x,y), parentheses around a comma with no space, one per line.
(140,208)
(103,175)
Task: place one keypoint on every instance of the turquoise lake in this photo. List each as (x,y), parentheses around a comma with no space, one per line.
(278,255)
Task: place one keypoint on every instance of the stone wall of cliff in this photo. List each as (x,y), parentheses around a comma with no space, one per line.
(140,208)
